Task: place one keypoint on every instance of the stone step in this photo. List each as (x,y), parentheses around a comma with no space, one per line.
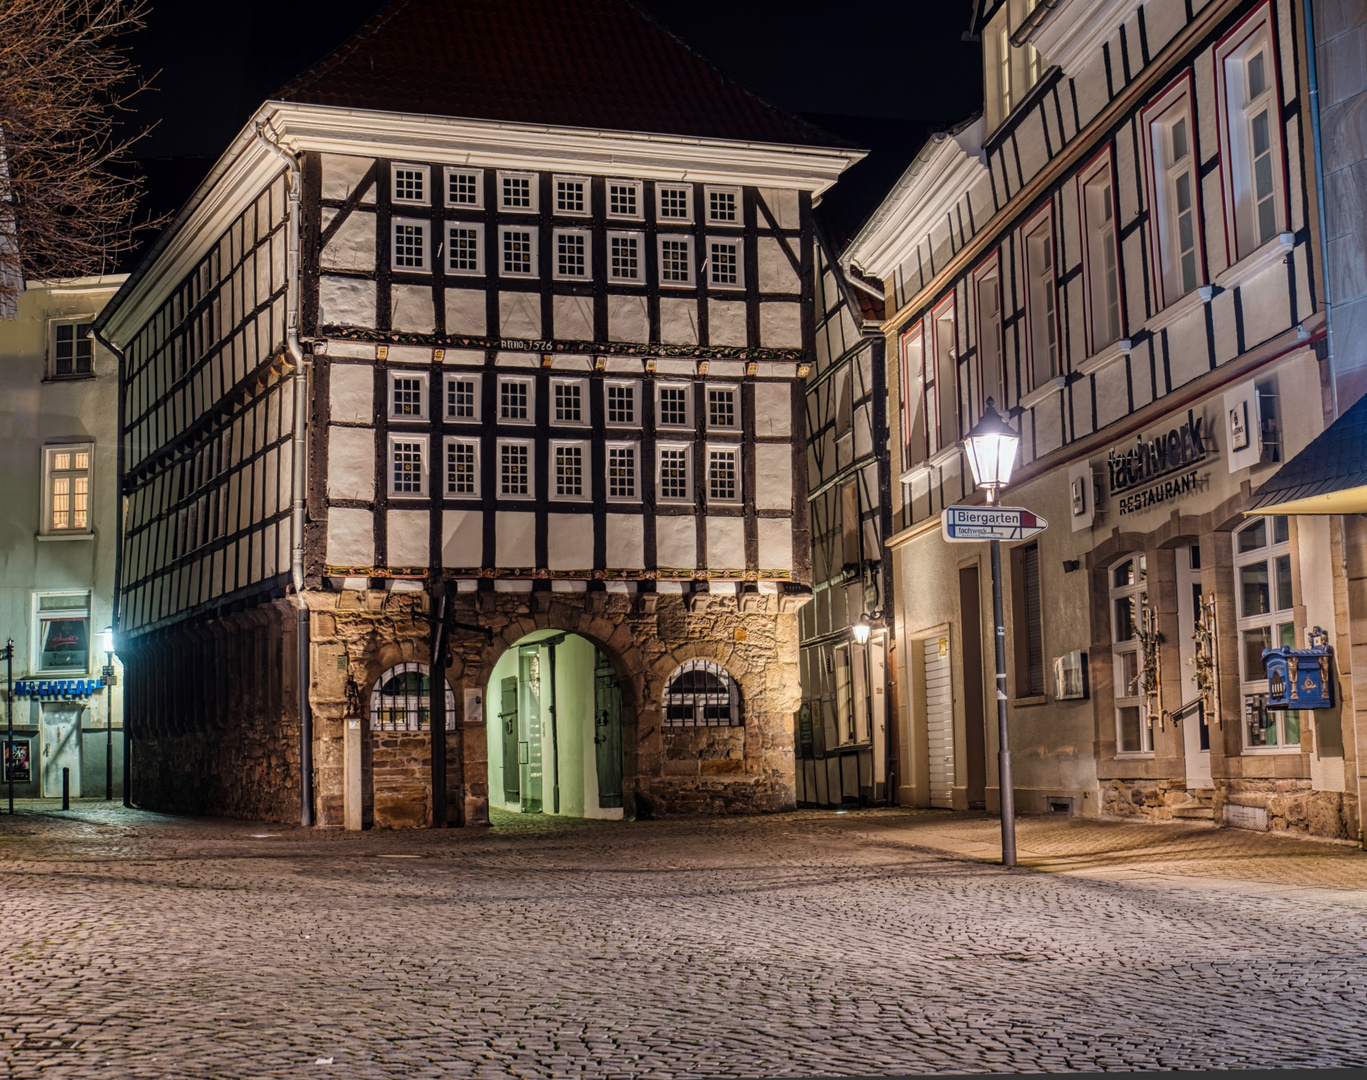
(1205,813)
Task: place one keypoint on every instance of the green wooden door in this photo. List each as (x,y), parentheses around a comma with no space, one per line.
(607,733)
(508,715)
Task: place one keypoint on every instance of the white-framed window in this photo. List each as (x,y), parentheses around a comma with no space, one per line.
(407,465)
(622,468)
(1009,71)
(624,258)
(918,399)
(465,187)
(723,474)
(723,205)
(944,357)
(462,468)
(517,250)
(515,469)
(987,311)
(723,408)
(569,401)
(463,397)
(409,250)
(725,264)
(409,184)
(676,261)
(1175,191)
(701,694)
(624,199)
(407,395)
(622,409)
(572,260)
(571,195)
(674,202)
(672,405)
(570,460)
(516,402)
(67,474)
(517,192)
(1252,132)
(1129,598)
(71,349)
(464,247)
(671,478)
(1266,611)
(61,631)
(1102,263)
(1041,299)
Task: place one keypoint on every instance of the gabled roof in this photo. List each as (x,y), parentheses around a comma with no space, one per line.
(565,63)
(1328,477)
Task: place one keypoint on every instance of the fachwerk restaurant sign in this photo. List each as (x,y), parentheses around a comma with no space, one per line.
(1159,469)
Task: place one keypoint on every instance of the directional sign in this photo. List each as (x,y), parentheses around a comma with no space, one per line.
(966,524)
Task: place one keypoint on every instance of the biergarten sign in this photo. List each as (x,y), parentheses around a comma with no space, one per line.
(1159,469)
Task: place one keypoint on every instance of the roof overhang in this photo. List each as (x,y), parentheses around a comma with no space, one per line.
(1328,477)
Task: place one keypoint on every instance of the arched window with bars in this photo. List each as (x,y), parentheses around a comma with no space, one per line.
(702,694)
(401,700)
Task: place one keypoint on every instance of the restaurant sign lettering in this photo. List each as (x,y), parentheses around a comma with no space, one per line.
(1159,469)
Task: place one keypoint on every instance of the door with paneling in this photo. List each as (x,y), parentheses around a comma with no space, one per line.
(939,720)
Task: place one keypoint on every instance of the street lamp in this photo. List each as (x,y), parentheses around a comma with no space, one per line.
(107,641)
(991,448)
(861,630)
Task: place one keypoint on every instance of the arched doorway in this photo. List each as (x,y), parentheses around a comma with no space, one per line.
(554,723)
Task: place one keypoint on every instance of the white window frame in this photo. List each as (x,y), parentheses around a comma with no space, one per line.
(725,223)
(635,451)
(613,215)
(1009,73)
(1103,296)
(450,443)
(734,391)
(943,356)
(51,474)
(1125,697)
(420,377)
(423,171)
(915,402)
(1041,297)
(727,241)
(453,171)
(687,388)
(523,380)
(62,614)
(481,255)
(560,178)
(1164,175)
(640,240)
(503,271)
(395,223)
(587,237)
(690,260)
(671,220)
(530,447)
(733,451)
(585,467)
(396,437)
(1274,621)
(674,447)
(532,189)
(74,321)
(634,387)
(448,382)
(583,388)
(990,338)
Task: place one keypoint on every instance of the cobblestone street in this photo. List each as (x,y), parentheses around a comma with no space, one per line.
(808,944)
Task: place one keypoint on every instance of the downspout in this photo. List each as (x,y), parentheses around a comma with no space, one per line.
(300,377)
(1319,200)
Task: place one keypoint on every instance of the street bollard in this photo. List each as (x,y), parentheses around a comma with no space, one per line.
(66,789)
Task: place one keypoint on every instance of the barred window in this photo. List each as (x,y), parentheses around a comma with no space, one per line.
(569,196)
(568,403)
(460,399)
(410,245)
(621,403)
(721,475)
(407,471)
(721,207)
(674,203)
(407,395)
(569,471)
(513,399)
(513,469)
(676,261)
(517,192)
(461,473)
(724,264)
(624,199)
(462,187)
(518,249)
(673,406)
(674,472)
(721,407)
(624,261)
(622,472)
(409,184)
(401,700)
(462,249)
(571,254)
(702,694)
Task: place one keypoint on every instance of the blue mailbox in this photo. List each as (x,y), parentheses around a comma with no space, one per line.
(1299,678)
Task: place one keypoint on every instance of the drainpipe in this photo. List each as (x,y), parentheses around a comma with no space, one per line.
(300,378)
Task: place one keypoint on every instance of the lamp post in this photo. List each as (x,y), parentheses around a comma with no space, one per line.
(9,719)
(991,448)
(107,640)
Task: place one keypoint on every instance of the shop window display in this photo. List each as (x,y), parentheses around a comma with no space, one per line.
(1263,593)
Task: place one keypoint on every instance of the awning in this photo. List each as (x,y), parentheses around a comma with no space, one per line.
(1328,477)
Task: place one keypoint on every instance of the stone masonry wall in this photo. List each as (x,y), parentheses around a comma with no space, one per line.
(1292,806)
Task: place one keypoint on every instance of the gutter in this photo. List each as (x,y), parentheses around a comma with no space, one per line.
(300,470)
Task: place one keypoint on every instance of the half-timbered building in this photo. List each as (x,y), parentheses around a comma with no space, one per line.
(471,347)
(1121,253)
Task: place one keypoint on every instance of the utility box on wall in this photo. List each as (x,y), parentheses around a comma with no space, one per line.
(1299,678)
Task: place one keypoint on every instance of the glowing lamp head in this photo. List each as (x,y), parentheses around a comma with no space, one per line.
(991,447)
(861,630)
(107,639)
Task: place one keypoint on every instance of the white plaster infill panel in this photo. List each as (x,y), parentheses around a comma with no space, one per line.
(411,308)
(776,273)
(783,204)
(678,321)
(466,312)
(574,318)
(571,541)
(780,325)
(725,543)
(352,246)
(726,322)
(341,174)
(773,476)
(628,318)
(625,542)
(407,537)
(773,409)
(351,537)
(516,539)
(676,542)
(351,393)
(775,544)
(462,539)
(351,463)
(519,315)
(345,301)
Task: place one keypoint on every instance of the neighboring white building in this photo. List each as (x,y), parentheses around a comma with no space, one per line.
(58,533)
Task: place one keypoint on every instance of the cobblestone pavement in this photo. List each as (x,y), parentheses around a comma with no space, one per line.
(809,944)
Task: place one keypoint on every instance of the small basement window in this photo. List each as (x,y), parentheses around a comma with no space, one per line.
(402,700)
(702,694)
